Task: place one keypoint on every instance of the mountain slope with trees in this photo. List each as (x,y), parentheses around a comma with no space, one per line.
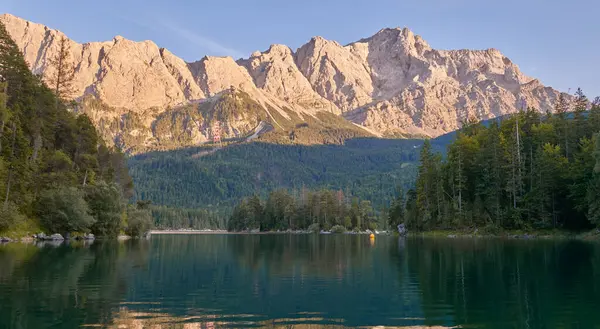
(212,183)
(56,174)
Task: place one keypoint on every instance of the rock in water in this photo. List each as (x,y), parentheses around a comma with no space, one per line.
(89,236)
(55,237)
(402,230)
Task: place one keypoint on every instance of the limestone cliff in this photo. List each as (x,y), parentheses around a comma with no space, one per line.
(394,83)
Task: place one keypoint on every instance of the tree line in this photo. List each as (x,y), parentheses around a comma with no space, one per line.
(303,209)
(55,172)
(183,218)
(526,171)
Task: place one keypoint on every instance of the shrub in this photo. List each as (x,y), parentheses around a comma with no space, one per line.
(10,216)
(64,210)
(106,206)
(139,221)
(338,229)
(490,229)
(314,228)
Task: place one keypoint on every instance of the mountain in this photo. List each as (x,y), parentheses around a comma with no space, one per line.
(392,84)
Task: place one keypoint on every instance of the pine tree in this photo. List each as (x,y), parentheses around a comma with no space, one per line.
(580,122)
(4,112)
(396,211)
(425,187)
(594,116)
(593,194)
(561,123)
(63,73)
(581,171)
(13,69)
(490,167)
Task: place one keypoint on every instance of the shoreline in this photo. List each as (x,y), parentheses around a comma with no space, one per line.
(168,232)
(592,235)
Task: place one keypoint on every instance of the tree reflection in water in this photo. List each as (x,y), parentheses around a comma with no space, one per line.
(300,281)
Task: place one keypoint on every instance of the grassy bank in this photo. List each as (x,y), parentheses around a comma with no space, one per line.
(22,230)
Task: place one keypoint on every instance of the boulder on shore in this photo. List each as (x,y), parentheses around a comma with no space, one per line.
(402,230)
(55,237)
(89,236)
(5,239)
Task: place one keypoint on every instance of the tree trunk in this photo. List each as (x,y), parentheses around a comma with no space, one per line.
(37,145)
(10,173)
(85,177)
(514,184)
(2,124)
(460,183)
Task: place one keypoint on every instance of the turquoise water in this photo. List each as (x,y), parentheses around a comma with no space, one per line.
(301,281)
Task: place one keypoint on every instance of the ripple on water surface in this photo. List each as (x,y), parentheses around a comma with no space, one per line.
(300,281)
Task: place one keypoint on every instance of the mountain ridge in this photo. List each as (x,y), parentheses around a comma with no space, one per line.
(391,84)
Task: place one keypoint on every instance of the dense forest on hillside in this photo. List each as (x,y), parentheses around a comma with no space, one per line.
(370,169)
(526,171)
(55,173)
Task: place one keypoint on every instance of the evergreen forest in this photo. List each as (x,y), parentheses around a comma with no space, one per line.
(205,186)
(282,211)
(56,174)
(526,171)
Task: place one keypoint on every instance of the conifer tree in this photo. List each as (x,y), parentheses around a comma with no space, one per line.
(63,73)
(560,121)
(396,211)
(593,194)
(425,186)
(594,116)
(580,123)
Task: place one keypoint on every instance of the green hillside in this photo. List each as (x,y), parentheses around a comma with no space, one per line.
(368,168)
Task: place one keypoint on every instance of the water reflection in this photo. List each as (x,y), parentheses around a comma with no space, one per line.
(308,281)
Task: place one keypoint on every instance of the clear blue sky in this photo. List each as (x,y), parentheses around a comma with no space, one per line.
(555,41)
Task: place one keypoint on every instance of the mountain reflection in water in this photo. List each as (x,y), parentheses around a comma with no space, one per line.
(300,281)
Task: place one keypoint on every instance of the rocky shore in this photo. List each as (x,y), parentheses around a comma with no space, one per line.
(57,238)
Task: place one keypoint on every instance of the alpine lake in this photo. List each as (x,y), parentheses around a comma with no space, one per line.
(300,281)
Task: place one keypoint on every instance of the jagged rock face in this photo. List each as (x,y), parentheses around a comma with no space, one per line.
(414,89)
(215,74)
(275,72)
(122,73)
(180,71)
(392,84)
(336,73)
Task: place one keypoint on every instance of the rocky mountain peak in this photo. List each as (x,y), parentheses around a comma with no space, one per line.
(392,83)
(279,49)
